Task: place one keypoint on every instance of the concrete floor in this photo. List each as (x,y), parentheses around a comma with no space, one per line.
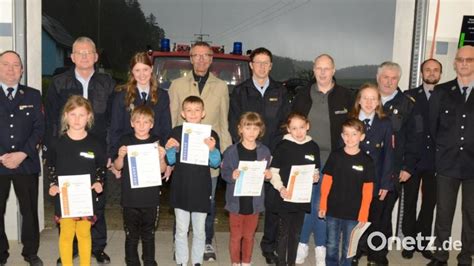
(164,253)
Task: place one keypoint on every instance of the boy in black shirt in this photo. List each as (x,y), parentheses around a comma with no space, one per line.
(140,205)
(346,191)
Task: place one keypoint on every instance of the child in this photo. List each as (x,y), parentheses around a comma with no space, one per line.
(191,186)
(296,148)
(244,211)
(346,191)
(378,145)
(140,205)
(76,153)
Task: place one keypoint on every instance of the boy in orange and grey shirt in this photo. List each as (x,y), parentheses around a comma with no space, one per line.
(346,191)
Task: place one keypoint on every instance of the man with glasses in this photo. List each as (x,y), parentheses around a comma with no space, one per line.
(452,128)
(327,105)
(269,98)
(22,127)
(215,94)
(82,79)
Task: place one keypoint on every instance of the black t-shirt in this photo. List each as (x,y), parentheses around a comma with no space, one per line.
(287,154)
(349,173)
(77,157)
(146,197)
(191,185)
(246,202)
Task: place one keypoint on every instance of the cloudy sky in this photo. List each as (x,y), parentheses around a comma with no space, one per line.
(355,32)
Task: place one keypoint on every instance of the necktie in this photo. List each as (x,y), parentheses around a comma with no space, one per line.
(464,93)
(10,94)
(144,94)
(367,123)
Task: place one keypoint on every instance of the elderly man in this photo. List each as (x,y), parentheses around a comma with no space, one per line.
(400,109)
(452,128)
(326,105)
(424,172)
(269,98)
(215,94)
(20,135)
(98,88)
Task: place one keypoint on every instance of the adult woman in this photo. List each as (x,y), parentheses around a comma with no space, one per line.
(141,88)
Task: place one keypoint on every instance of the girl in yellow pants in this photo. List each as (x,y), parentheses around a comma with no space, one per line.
(82,230)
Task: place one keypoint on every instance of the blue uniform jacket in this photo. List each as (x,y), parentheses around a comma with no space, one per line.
(378,145)
(426,147)
(120,123)
(22,128)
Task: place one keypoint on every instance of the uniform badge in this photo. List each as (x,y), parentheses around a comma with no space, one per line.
(453,88)
(395,111)
(21,91)
(273,99)
(21,107)
(340,112)
(359,168)
(420,90)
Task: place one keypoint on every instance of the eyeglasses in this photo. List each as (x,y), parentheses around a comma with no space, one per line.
(468,60)
(262,64)
(201,56)
(84,53)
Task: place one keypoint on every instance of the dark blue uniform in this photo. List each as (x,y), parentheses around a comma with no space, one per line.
(120,123)
(21,130)
(378,145)
(452,127)
(406,126)
(425,172)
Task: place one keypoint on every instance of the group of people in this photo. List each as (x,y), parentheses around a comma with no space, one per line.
(367,149)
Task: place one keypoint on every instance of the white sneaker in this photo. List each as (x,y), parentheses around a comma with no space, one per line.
(301,253)
(209,253)
(246,264)
(320,255)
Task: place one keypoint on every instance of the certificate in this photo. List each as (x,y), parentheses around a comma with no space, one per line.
(300,183)
(193,148)
(356,233)
(251,177)
(75,196)
(144,165)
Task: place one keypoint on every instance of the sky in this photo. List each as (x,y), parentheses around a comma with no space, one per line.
(354,32)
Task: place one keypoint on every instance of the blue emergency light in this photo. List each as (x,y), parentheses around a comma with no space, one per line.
(237,48)
(165,45)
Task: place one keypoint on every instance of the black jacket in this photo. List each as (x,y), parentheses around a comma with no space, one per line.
(22,128)
(407,129)
(340,101)
(452,127)
(273,107)
(426,147)
(100,94)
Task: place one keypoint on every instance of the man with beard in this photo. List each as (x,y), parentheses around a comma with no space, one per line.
(431,70)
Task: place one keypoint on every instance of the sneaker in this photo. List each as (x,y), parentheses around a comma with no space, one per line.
(209,253)
(301,253)
(320,254)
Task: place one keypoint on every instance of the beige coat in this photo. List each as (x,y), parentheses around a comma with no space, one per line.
(216,104)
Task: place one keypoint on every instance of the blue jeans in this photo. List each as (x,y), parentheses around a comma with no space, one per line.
(312,223)
(211,215)
(181,238)
(335,227)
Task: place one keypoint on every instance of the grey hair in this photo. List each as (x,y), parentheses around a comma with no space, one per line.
(389,65)
(84,39)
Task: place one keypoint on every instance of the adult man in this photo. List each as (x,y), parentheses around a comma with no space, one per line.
(400,109)
(98,88)
(269,98)
(452,128)
(431,73)
(215,94)
(326,105)
(20,135)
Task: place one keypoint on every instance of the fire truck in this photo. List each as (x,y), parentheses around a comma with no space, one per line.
(169,64)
